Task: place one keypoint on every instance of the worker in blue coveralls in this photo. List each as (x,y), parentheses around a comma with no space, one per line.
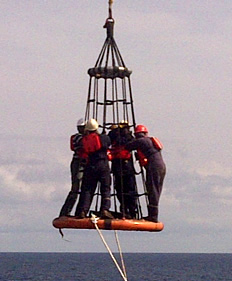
(123,169)
(149,153)
(97,170)
(76,167)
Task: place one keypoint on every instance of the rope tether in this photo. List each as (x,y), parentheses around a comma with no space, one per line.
(94,220)
(120,252)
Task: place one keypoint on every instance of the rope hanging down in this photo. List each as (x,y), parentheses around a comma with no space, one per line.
(120,252)
(123,273)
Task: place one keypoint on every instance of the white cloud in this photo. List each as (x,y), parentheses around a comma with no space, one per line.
(214,168)
(223,193)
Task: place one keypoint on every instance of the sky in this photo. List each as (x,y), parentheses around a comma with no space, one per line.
(180,54)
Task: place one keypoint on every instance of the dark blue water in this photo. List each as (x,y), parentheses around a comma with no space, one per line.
(99,266)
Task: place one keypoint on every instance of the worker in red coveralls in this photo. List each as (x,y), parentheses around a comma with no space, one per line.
(149,153)
(77,166)
(123,170)
(96,170)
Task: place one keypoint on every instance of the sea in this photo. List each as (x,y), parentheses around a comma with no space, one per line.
(100,267)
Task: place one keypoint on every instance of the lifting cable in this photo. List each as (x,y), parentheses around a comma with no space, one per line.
(110,8)
(94,220)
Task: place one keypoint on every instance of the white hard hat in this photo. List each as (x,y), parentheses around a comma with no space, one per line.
(81,122)
(91,125)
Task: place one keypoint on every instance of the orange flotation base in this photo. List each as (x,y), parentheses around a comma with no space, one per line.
(108,224)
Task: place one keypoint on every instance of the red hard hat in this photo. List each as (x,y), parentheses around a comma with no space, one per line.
(140,129)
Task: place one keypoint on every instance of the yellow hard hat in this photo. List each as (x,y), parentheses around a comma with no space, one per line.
(124,123)
(113,126)
(91,125)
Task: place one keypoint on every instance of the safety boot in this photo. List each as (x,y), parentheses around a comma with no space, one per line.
(152,214)
(80,215)
(105,214)
(68,204)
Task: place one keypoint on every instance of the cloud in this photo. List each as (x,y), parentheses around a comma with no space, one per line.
(28,173)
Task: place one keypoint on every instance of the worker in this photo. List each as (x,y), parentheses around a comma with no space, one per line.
(123,170)
(113,133)
(149,152)
(97,170)
(77,166)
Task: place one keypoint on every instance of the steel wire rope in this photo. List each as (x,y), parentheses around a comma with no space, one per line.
(131,99)
(113,104)
(88,100)
(137,200)
(126,117)
(105,104)
(116,118)
(117,53)
(144,185)
(125,110)
(107,54)
(116,95)
(112,55)
(114,112)
(138,203)
(110,8)
(121,170)
(102,53)
(96,97)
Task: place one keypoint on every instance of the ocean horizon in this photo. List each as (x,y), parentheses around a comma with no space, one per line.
(59,266)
